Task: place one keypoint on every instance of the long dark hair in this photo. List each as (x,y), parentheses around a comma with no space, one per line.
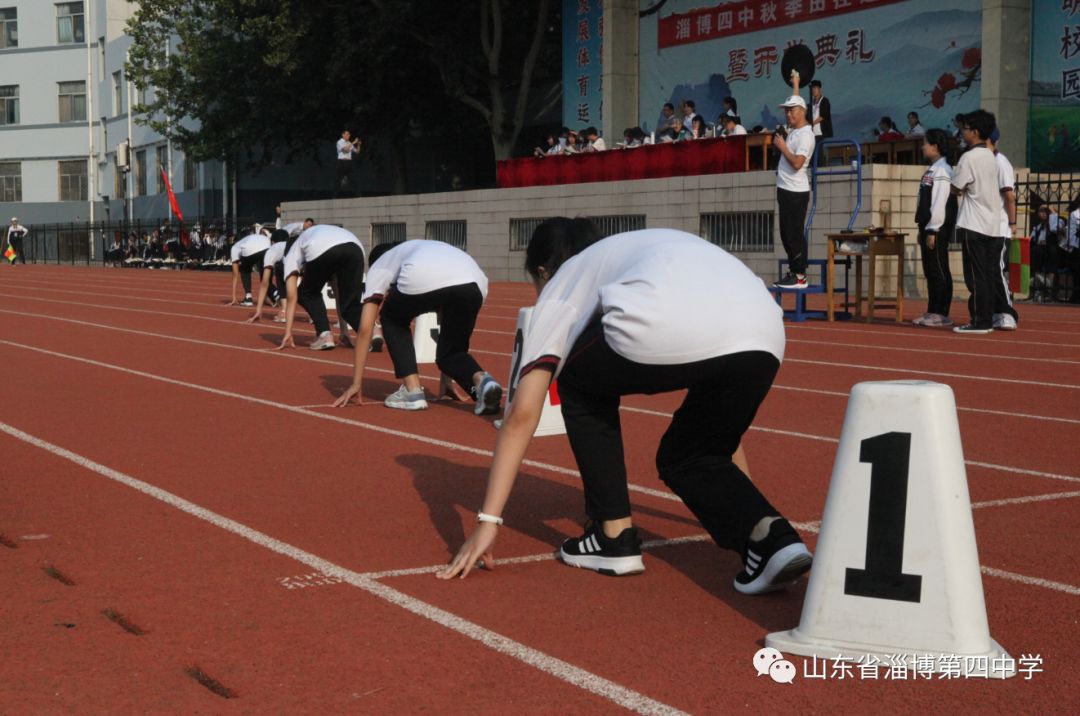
(556,240)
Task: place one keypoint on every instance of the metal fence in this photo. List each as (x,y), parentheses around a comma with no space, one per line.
(85,243)
(1057,190)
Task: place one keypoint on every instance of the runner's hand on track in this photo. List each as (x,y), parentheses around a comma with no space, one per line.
(286,342)
(475,549)
(255,318)
(347,396)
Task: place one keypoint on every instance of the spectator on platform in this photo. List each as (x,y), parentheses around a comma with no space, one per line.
(729,106)
(550,147)
(1046,234)
(978,221)
(698,128)
(347,149)
(668,123)
(593,141)
(573,143)
(793,190)
(915,129)
(820,112)
(732,126)
(935,215)
(886,130)
(1005,316)
(689,110)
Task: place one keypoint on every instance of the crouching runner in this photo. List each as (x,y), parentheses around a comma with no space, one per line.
(409,279)
(322,253)
(646,312)
(247,256)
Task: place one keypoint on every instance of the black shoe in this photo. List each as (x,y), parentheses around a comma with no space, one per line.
(247,302)
(973,329)
(774,562)
(792,281)
(613,557)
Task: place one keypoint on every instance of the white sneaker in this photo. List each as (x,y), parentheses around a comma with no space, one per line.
(324,342)
(1004,322)
(488,395)
(402,399)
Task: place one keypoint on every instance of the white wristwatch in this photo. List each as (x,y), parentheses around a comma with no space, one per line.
(481,517)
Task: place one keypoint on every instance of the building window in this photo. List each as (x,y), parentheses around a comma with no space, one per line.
(69,23)
(521,231)
(73,101)
(162,165)
(9,27)
(451,231)
(118,92)
(191,174)
(746,231)
(9,104)
(387,233)
(73,180)
(10,181)
(140,173)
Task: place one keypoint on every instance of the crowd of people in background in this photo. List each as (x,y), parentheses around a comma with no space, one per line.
(168,248)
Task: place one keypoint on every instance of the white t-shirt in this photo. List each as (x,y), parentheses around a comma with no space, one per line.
(294,228)
(313,243)
(1071,240)
(250,244)
(1006,180)
(345,149)
(801,143)
(598,145)
(938,177)
(275,253)
(976,175)
(665,297)
(917,131)
(421,266)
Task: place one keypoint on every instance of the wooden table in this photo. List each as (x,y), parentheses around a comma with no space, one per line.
(871,246)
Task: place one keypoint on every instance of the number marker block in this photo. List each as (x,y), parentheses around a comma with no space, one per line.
(425,337)
(896,570)
(551,420)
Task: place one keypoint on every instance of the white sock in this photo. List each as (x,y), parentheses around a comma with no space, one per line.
(761,529)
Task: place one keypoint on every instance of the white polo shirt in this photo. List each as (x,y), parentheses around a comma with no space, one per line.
(421,266)
(275,253)
(345,149)
(976,175)
(801,143)
(1006,180)
(294,228)
(313,243)
(665,297)
(250,244)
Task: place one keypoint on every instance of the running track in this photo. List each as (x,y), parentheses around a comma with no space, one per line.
(175,496)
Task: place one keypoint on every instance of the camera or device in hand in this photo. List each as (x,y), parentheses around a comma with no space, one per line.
(781,131)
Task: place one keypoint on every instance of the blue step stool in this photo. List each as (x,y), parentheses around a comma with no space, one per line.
(799,313)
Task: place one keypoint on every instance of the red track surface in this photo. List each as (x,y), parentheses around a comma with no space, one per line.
(148,379)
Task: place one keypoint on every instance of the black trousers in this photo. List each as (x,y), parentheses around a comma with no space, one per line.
(1003,298)
(249,263)
(17,244)
(935,264)
(345,262)
(458,307)
(694,457)
(792,214)
(982,273)
(343,173)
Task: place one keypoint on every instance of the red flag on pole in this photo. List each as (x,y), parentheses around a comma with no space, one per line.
(172,197)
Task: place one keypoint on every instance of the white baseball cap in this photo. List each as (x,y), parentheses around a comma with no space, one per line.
(794,101)
(14,218)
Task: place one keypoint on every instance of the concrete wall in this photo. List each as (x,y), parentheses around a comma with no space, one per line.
(672,203)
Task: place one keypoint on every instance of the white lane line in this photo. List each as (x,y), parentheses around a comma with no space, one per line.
(1025,500)
(870,329)
(1031,581)
(997,356)
(828,439)
(332,417)
(585,680)
(912,371)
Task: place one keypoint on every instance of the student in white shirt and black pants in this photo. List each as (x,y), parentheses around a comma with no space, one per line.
(793,190)
(15,235)
(647,312)
(935,215)
(323,253)
(406,280)
(247,256)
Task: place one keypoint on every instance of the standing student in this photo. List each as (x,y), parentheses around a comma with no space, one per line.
(322,253)
(346,148)
(978,221)
(409,279)
(793,190)
(650,311)
(247,255)
(16,232)
(1005,317)
(935,215)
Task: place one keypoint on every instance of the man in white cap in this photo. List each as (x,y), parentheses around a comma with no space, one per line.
(793,188)
(15,235)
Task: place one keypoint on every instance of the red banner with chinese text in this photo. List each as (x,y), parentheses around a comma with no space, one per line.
(740,17)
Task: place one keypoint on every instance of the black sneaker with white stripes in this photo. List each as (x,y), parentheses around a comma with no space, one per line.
(613,557)
(774,562)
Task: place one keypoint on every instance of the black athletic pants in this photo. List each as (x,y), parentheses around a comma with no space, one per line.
(792,210)
(982,273)
(694,457)
(458,307)
(1003,298)
(935,265)
(249,263)
(346,263)
(344,173)
(17,244)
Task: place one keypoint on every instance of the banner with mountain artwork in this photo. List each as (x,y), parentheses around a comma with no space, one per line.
(874,58)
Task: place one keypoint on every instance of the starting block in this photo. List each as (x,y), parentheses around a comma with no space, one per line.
(425,337)
(896,572)
(551,420)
